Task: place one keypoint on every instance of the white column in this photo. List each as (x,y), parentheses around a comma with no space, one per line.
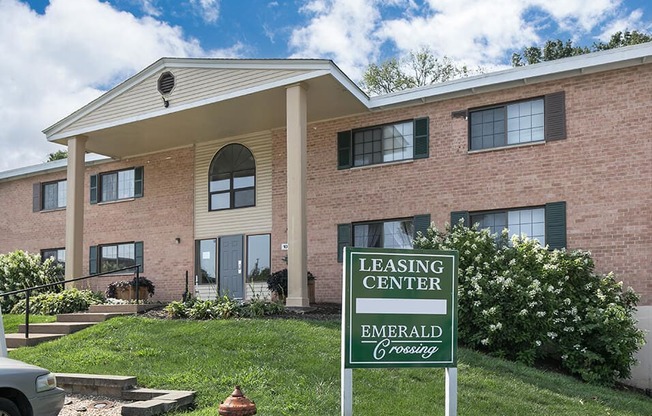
(296,196)
(75,207)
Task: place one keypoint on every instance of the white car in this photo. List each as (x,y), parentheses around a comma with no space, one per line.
(28,390)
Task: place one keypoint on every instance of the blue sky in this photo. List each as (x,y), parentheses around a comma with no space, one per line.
(58,55)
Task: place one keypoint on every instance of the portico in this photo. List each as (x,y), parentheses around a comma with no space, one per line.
(199,101)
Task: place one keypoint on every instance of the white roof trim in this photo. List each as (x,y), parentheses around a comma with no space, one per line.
(47,167)
(318,68)
(581,64)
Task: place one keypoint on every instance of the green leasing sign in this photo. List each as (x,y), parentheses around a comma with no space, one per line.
(400,308)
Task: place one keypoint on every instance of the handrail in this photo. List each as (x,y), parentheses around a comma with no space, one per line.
(28,290)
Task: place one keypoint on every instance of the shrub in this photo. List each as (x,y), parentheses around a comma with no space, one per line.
(20,270)
(66,301)
(277,282)
(222,308)
(520,301)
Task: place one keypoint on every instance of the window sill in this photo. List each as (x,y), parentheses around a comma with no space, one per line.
(378,165)
(509,146)
(117,201)
(53,210)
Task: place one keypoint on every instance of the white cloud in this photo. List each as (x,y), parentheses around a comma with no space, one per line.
(632,21)
(209,10)
(57,62)
(578,15)
(342,30)
(149,8)
(478,32)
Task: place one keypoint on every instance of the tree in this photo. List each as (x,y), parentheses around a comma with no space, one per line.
(620,39)
(557,49)
(58,155)
(418,69)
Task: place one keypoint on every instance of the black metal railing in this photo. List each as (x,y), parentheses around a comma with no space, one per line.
(29,290)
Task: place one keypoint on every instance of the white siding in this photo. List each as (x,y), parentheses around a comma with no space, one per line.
(191,84)
(253,220)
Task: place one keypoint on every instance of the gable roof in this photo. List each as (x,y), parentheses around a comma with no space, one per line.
(216,98)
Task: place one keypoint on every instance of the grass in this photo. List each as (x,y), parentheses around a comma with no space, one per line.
(11,322)
(292,367)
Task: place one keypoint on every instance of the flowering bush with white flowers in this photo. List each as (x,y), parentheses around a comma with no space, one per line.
(520,301)
(20,270)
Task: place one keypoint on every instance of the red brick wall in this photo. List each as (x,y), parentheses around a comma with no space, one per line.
(603,171)
(164,213)
(20,228)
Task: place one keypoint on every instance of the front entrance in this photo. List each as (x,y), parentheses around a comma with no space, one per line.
(231,266)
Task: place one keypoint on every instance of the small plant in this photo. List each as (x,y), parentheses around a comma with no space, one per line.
(278,282)
(112,289)
(222,308)
(66,301)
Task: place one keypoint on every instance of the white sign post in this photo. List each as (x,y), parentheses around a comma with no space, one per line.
(3,341)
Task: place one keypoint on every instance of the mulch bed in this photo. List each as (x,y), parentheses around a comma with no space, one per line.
(316,312)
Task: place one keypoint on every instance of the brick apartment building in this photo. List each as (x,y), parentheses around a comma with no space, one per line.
(222,168)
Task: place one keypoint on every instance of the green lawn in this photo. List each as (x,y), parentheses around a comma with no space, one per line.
(11,322)
(292,367)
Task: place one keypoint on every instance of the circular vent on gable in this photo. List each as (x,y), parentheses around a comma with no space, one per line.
(166,83)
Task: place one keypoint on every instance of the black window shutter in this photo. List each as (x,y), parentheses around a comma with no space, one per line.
(92,260)
(456,215)
(344,149)
(421,139)
(94,189)
(138,182)
(555,116)
(36,197)
(421,223)
(556,225)
(138,248)
(343,240)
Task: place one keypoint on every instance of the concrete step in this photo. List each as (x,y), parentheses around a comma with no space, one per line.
(19,340)
(99,385)
(55,327)
(181,397)
(146,402)
(126,308)
(88,317)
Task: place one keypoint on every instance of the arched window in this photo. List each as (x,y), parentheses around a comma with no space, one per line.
(232,179)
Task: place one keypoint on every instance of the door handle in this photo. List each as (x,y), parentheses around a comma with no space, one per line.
(239,266)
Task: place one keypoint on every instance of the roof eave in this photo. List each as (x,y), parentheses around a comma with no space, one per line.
(509,78)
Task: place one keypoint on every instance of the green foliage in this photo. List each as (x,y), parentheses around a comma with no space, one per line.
(278,282)
(417,69)
(258,275)
(222,308)
(58,155)
(66,301)
(292,367)
(620,39)
(520,301)
(111,290)
(21,270)
(557,49)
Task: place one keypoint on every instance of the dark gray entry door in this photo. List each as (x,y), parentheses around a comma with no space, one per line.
(231,266)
